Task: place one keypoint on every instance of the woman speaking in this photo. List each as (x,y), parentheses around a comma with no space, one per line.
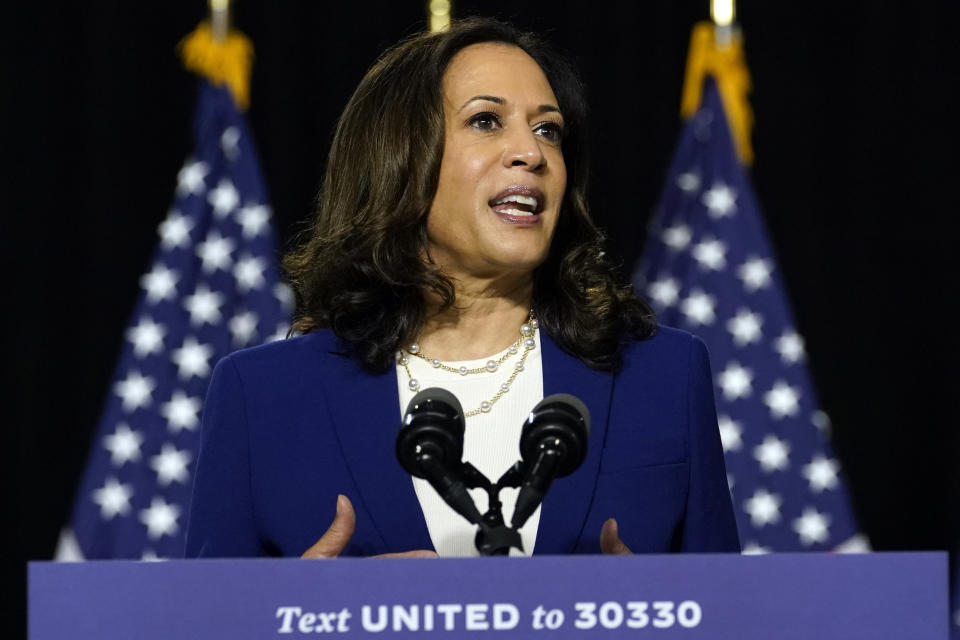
(452,247)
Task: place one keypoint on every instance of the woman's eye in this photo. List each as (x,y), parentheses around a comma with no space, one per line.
(550,131)
(484,121)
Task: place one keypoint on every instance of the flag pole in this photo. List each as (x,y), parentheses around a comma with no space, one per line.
(723,13)
(220,19)
(438,14)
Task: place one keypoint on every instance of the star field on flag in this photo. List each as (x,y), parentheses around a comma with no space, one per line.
(213,287)
(708,268)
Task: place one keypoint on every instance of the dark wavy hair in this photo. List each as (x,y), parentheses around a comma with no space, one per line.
(361,271)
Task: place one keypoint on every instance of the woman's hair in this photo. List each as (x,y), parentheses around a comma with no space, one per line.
(361,271)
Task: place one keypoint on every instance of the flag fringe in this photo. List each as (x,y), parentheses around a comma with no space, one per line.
(226,62)
(726,64)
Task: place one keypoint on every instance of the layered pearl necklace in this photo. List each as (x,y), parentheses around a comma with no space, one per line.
(526,342)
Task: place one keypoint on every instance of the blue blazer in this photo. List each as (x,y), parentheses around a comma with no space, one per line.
(289,425)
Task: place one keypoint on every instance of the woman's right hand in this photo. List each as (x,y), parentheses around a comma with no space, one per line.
(341,529)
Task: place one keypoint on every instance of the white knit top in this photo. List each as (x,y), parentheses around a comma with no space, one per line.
(491,441)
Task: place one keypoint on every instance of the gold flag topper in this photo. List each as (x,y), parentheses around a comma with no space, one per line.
(222,55)
(717,50)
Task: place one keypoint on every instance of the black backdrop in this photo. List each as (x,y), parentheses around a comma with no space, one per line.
(855,139)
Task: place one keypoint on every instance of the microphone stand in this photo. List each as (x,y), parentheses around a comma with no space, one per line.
(494,537)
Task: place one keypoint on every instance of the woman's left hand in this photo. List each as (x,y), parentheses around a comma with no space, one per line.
(610,541)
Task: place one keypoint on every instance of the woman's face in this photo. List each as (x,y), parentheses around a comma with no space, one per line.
(502,177)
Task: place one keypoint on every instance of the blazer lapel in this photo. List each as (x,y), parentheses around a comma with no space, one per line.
(565,507)
(365,410)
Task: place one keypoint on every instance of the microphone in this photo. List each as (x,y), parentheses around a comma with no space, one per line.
(430,446)
(553,444)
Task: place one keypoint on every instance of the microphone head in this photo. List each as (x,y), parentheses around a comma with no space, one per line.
(433,423)
(562,422)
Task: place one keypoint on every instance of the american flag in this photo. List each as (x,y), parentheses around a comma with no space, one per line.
(708,267)
(213,287)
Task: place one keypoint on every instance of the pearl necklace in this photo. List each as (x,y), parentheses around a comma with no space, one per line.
(526,340)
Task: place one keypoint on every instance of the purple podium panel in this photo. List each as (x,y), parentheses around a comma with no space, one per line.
(783,596)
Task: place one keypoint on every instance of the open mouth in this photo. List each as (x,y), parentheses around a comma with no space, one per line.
(518,204)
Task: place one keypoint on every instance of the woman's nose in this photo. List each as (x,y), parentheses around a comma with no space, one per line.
(523,150)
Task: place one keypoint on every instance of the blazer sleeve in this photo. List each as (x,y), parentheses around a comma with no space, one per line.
(709,525)
(221,522)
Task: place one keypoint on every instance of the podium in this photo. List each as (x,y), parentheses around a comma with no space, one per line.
(780,596)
